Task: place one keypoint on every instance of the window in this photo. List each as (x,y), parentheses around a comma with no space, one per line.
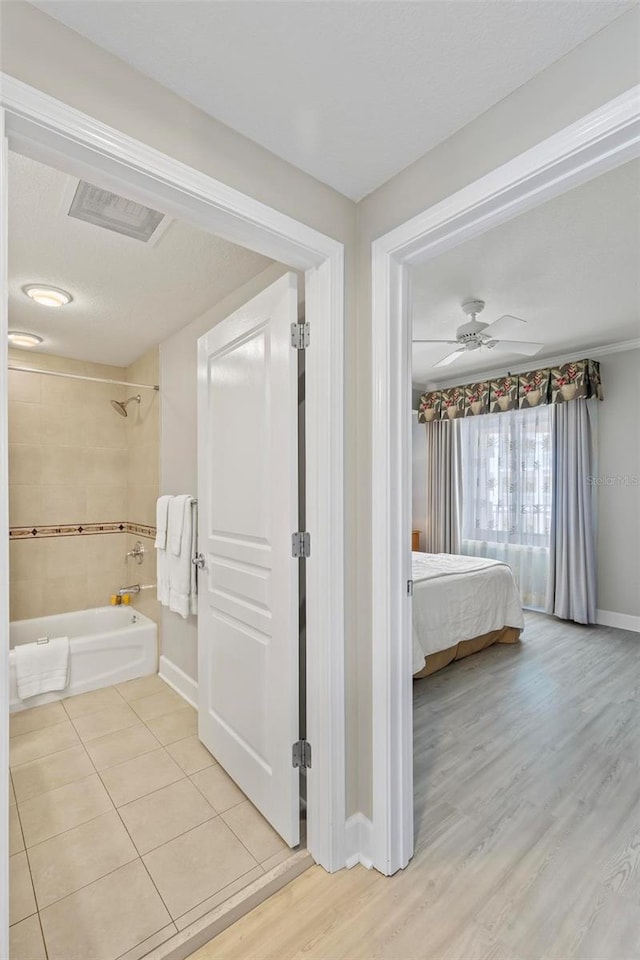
(507,485)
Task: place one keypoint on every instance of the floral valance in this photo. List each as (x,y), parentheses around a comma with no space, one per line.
(569,381)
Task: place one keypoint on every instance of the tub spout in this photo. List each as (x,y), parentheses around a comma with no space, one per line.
(134,588)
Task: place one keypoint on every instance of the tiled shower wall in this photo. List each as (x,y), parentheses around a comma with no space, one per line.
(74,463)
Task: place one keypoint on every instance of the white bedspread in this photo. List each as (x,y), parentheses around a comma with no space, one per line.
(456,598)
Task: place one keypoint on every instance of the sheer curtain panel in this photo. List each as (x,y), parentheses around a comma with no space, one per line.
(507,479)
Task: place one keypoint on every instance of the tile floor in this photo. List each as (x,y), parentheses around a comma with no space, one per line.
(124,829)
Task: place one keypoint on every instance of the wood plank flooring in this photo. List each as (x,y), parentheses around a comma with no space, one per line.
(527,812)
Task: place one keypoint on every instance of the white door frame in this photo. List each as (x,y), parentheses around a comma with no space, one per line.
(598,142)
(53,132)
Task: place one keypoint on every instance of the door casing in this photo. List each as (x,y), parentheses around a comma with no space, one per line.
(600,141)
(50,131)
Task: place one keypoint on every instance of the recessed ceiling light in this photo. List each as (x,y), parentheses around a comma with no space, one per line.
(47,296)
(20,338)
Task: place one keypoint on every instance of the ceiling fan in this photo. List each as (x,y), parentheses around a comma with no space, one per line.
(475,335)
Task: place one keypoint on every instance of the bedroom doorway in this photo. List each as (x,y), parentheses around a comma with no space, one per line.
(596,144)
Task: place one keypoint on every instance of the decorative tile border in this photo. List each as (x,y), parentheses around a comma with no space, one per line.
(65,530)
(81,530)
(142,530)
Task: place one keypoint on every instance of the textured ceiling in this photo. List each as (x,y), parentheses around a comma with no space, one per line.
(350,92)
(127,295)
(568,267)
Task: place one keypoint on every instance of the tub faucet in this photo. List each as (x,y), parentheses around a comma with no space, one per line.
(134,588)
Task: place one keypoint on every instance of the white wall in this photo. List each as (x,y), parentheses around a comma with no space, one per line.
(619,493)
(178,441)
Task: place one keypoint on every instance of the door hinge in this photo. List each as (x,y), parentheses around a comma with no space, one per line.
(301,754)
(300,336)
(409,588)
(300,545)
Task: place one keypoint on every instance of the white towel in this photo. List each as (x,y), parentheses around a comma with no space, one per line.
(175,525)
(162,576)
(193,593)
(162,517)
(162,554)
(182,580)
(42,667)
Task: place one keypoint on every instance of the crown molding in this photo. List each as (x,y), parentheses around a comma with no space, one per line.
(622,346)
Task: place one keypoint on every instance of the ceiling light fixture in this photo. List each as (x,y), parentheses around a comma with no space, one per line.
(20,338)
(47,296)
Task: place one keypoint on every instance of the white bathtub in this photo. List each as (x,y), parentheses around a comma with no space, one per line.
(106,645)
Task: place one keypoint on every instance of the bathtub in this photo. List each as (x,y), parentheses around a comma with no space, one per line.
(106,645)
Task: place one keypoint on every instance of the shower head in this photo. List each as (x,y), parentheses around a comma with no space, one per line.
(120,406)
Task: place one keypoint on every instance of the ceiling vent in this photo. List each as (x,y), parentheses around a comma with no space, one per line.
(108,210)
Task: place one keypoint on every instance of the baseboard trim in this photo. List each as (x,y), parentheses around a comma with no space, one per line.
(359,841)
(179,681)
(623,621)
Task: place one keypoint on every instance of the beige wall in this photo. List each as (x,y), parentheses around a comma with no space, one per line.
(74,461)
(619,495)
(143,469)
(67,465)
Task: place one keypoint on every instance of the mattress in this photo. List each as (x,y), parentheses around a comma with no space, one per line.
(457,598)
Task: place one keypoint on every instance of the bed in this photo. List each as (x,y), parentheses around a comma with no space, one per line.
(460,606)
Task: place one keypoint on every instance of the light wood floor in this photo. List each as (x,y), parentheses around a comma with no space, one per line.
(527,785)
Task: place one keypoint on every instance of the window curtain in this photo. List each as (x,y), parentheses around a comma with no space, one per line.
(507,478)
(572,577)
(444,489)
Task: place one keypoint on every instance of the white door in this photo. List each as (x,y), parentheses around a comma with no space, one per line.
(248,588)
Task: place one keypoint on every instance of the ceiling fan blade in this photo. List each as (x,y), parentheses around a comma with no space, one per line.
(452,342)
(516,346)
(507,323)
(450,357)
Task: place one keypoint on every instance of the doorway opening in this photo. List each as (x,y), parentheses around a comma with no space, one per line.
(598,143)
(120,796)
(155,182)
